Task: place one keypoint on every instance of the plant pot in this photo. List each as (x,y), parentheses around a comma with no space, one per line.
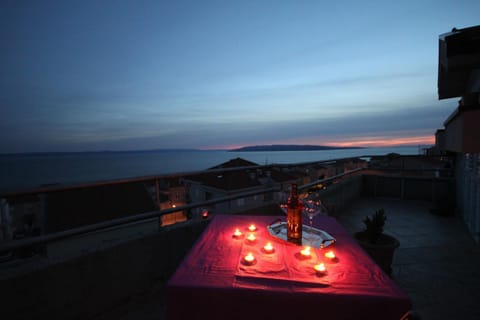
(381,252)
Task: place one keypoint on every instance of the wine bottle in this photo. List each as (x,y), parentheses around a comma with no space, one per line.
(294,217)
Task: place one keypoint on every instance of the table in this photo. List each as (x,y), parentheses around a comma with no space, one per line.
(212,282)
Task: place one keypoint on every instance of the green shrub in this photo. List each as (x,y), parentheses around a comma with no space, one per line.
(374,225)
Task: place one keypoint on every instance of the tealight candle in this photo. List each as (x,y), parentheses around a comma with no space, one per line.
(268,248)
(320,269)
(249,259)
(251,237)
(305,252)
(330,255)
(237,234)
(252,228)
(205,214)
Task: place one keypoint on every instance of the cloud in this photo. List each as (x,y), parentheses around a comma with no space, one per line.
(421,121)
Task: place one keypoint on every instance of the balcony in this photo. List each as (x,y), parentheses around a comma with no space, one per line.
(437,263)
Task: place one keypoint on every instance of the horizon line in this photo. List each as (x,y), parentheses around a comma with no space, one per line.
(227,148)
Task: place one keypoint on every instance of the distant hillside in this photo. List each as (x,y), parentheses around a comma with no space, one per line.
(289,147)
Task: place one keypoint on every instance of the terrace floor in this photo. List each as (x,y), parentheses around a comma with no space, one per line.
(437,263)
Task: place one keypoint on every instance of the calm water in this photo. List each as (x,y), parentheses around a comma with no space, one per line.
(32,170)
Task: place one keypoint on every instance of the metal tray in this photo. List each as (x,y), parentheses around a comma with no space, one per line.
(315,238)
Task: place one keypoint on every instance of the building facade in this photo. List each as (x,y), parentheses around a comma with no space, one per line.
(459,76)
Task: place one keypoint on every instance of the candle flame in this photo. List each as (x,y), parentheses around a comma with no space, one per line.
(320,267)
(249,257)
(252,227)
(306,251)
(251,237)
(268,247)
(330,255)
(237,233)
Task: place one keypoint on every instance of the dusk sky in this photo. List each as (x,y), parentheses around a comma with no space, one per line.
(129,75)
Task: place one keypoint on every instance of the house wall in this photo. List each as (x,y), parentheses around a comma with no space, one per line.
(461,134)
(467,171)
(200,193)
(177,195)
(6,229)
(25,218)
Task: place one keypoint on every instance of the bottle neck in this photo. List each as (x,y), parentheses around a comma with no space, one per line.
(293,200)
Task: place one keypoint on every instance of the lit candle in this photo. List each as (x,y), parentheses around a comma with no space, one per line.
(237,234)
(252,228)
(305,252)
(249,259)
(330,255)
(320,269)
(268,248)
(251,237)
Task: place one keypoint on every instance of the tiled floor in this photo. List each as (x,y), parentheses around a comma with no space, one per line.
(437,263)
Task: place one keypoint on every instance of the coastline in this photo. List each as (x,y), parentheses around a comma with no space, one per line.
(289,147)
(24,171)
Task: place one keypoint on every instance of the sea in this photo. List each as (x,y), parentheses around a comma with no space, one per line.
(31,170)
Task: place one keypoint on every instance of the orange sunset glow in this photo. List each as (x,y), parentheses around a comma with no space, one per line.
(384,141)
(367,142)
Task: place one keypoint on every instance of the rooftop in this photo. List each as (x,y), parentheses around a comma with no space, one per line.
(235,163)
(437,264)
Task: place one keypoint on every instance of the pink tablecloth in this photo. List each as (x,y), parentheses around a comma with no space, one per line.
(213,283)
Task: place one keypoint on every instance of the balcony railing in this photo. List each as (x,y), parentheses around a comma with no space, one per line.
(44,239)
(335,197)
(86,285)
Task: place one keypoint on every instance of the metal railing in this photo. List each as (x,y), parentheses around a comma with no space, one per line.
(43,239)
(330,179)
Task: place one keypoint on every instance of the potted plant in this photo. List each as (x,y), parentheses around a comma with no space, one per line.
(380,246)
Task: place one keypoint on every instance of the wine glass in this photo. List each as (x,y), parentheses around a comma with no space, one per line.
(311,208)
(283,201)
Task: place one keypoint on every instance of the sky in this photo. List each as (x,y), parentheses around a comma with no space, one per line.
(130,75)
